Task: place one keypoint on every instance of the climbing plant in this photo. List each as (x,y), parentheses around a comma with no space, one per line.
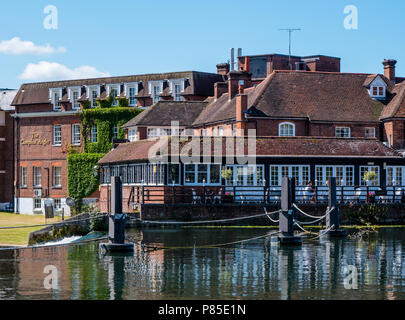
(104,119)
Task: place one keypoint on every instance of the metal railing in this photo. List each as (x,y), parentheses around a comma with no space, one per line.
(211,195)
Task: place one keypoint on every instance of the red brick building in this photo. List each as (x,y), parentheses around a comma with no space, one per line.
(47,125)
(6,148)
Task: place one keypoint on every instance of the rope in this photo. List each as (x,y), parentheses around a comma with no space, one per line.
(205,246)
(268,216)
(302,229)
(52,224)
(308,215)
(203,222)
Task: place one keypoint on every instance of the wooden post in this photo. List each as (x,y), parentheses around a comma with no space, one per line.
(287,215)
(332,216)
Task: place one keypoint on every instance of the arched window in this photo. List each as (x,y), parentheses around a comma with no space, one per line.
(286,129)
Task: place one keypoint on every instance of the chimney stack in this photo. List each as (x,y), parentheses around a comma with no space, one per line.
(234,78)
(241,108)
(223,68)
(389,69)
(219,89)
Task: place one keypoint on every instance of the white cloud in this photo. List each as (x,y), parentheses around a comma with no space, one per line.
(52,71)
(16,46)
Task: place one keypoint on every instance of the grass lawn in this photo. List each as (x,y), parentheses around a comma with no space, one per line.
(20,236)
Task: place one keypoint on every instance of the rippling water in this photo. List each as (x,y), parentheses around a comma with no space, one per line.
(259,269)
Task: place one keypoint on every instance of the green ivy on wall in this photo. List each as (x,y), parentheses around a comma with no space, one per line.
(81,179)
(104,119)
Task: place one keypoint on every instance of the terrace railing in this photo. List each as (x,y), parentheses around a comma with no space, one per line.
(211,195)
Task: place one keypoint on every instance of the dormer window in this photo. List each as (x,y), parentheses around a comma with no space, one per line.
(155,89)
(176,88)
(74,96)
(378,88)
(131,91)
(93,92)
(114,90)
(55,97)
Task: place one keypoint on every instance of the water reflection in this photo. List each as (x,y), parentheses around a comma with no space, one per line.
(259,269)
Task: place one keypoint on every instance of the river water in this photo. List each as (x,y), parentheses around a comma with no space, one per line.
(258,269)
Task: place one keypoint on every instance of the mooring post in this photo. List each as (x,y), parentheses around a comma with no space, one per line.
(116,221)
(287,216)
(332,214)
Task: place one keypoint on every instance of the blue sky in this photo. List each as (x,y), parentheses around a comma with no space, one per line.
(123,37)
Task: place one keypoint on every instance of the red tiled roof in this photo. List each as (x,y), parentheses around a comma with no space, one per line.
(265,147)
(318,96)
(396,107)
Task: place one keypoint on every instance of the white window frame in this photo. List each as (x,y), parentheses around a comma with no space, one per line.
(172,85)
(347,129)
(220,131)
(71,92)
(208,182)
(369,168)
(151,87)
(281,130)
(289,167)
(57,204)
(245,169)
(34,201)
(397,171)
(24,171)
(89,93)
(334,174)
(37,175)
(57,106)
(367,134)
(132,134)
(127,89)
(74,140)
(114,86)
(115,131)
(93,134)
(54,176)
(55,142)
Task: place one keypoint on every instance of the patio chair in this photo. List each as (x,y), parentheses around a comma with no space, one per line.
(218,197)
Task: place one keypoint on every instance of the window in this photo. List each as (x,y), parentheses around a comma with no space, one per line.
(373,182)
(173,174)
(57,135)
(37,176)
(249,175)
(115,132)
(177,93)
(56,101)
(132,96)
(343,174)
(114,91)
(220,131)
(133,134)
(369,132)
(202,174)
(23,177)
(57,204)
(286,129)
(93,134)
(75,97)
(299,172)
(378,91)
(76,134)
(395,176)
(213,132)
(203,132)
(94,95)
(156,93)
(234,130)
(37,204)
(57,176)
(342,132)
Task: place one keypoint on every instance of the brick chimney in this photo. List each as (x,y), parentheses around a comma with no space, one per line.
(389,69)
(241,107)
(234,79)
(219,89)
(223,68)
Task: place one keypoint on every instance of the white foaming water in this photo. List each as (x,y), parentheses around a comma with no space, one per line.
(63,241)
